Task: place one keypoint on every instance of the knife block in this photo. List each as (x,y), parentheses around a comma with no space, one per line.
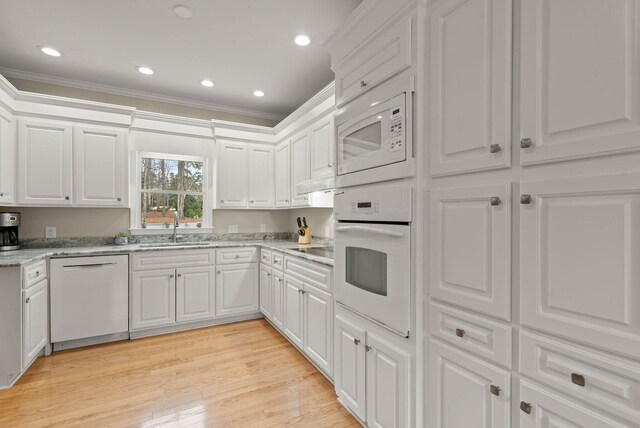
(306,239)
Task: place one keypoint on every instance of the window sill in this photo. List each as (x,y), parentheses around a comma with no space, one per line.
(169,231)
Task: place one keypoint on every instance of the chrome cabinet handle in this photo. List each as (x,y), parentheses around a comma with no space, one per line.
(28,300)
(356,342)
(363,83)
(495,201)
(495,390)
(526,407)
(525,199)
(526,143)
(577,379)
(367,348)
(495,148)
(460,332)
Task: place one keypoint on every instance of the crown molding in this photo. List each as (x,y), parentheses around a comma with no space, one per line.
(238,126)
(37,77)
(167,118)
(316,100)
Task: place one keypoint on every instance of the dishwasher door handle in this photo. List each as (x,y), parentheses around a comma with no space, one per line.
(91,265)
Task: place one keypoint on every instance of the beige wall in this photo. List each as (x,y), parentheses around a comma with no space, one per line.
(249,221)
(317,218)
(140,104)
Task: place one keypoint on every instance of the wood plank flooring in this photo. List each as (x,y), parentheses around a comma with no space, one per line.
(237,375)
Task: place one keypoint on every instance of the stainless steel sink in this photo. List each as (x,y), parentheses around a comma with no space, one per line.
(171,244)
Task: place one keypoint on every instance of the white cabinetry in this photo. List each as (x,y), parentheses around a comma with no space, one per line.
(322,145)
(7,158)
(100,165)
(232,175)
(580,88)
(44,163)
(237,289)
(153,298)
(299,168)
(195,293)
(283,175)
(266,292)
(261,177)
(293,310)
(278,299)
(35,321)
(470,86)
(318,327)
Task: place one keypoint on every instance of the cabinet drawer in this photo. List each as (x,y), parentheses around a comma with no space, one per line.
(473,333)
(266,257)
(174,259)
(385,56)
(603,380)
(310,273)
(237,255)
(277,260)
(34,273)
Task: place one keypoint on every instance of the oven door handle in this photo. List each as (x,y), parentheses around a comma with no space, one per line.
(369,229)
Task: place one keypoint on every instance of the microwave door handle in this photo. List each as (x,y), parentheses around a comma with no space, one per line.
(369,229)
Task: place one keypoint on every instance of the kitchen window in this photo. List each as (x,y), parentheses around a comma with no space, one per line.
(170,183)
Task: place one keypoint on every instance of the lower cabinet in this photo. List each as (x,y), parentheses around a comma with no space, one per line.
(195,294)
(153,298)
(293,307)
(237,289)
(277,314)
(372,372)
(266,292)
(35,322)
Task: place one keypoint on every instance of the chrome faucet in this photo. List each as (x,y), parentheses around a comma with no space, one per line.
(176,224)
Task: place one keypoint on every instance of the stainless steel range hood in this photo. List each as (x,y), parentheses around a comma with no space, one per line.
(316,185)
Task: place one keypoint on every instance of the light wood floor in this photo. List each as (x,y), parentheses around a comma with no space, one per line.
(238,375)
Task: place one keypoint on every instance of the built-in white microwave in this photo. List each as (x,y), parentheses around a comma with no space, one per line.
(374,138)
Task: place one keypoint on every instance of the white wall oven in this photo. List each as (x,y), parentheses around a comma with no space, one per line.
(374,137)
(373,253)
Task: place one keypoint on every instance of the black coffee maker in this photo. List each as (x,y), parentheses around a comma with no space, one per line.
(9,224)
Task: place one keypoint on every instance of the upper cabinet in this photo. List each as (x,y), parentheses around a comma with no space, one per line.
(100,163)
(7,158)
(261,177)
(299,168)
(283,175)
(322,144)
(232,175)
(45,163)
(580,89)
(470,86)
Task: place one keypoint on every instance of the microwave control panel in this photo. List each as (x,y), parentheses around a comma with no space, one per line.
(397,133)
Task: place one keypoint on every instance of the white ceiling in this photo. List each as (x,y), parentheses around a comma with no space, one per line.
(241,45)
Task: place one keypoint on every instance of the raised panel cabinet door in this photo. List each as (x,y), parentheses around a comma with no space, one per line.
(44,163)
(388,389)
(278,300)
(153,298)
(293,310)
(471,247)
(233,178)
(195,294)
(237,289)
(35,324)
(7,158)
(579,252)
(266,292)
(318,325)
(466,391)
(322,144)
(350,365)
(101,170)
(545,409)
(283,175)
(580,72)
(470,86)
(261,177)
(299,168)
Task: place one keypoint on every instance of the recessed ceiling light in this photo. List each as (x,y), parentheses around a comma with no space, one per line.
(145,70)
(207,83)
(182,11)
(258,93)
(302,40)
(49,51)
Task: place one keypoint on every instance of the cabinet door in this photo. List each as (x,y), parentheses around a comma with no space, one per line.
(579,252)
(195,294)
(44,159)
(283,175)
(550,410)
(471,247)
(153,298)
(318,327)
(100,166)
(7,158)
(293,310)
(387,384)
(350,370)
(580,89)
(278,300)
(237,289)
(322,146)
(261,178)
(463,390)
(232,175)
(35,321)
(266,292)
(299,168)
(470,85)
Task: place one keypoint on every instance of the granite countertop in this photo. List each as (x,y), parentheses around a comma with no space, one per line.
(26,256)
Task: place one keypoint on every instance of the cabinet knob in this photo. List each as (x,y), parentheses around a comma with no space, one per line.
(28,300)
(119,199)
(356,342)
(179,275)
(526,143)
(268,274)
(495,148)
(37,273)
(66,198)
(525,199)
(495,390)
(526,407)
(251,202)
(460,332)
(222,201)
(286,200)
(577,379)
(363,83)
(237,256)
(171,276)
(367,348)
(495,201)
(1,195)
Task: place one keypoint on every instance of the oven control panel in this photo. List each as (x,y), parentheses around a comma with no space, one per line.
(397,133)
(373,203)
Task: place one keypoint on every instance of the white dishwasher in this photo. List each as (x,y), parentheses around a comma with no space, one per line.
(89,300)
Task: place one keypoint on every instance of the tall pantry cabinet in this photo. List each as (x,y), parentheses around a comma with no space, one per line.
(533,297)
